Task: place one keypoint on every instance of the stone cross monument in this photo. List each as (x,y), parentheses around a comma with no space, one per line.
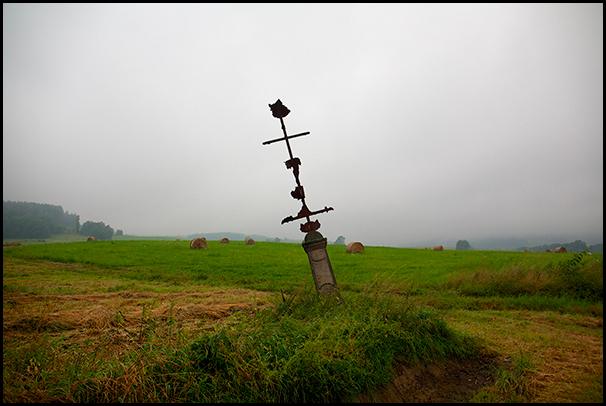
(314,243)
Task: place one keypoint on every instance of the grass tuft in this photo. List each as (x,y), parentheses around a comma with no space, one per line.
(312,349)
(511,385)
(577,278)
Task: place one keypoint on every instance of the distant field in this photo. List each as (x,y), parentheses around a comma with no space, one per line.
(77,237)
(136,237)
(86,321)
(275,266)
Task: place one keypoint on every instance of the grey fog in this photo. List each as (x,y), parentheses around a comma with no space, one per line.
(428,123)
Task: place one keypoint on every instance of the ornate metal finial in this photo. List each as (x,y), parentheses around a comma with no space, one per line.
(279,110)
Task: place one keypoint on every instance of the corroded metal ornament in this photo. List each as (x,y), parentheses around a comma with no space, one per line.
(280,111)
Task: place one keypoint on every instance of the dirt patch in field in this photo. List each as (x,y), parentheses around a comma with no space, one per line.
(437,382)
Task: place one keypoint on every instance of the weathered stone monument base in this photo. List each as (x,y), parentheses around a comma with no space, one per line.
(321,269)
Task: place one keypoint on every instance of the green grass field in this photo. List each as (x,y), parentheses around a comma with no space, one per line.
(155,321)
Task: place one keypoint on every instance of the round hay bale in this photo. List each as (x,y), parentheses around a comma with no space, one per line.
(91,239)
(438,248)
(561,250)
(427,248)
(355,248)
(198,243)
(224,240)
(250,241)
(548,250)
(526,250)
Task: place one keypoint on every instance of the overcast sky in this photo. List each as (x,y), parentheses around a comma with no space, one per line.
(428,123)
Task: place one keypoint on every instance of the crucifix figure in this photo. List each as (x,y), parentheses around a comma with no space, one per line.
(314,243)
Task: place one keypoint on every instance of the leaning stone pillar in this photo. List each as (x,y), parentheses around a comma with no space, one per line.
(324,278)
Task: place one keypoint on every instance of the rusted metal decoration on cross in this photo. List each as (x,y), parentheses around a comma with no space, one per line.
(280,111)
(314,243)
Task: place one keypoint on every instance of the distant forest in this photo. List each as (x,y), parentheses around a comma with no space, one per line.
(28,220)
(39,221)
(576,246)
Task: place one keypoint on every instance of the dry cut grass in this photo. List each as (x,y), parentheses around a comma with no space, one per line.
(566,351)
(101,341)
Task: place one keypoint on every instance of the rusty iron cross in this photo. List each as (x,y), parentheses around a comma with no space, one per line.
(280,111)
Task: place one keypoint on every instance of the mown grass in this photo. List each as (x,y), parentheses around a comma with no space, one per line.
(397,305)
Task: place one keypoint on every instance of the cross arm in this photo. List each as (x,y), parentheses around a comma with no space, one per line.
(285,138)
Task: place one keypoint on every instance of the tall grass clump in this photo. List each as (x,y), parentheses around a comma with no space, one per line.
(511,384)
(312,349)
(583,276)
(580,277)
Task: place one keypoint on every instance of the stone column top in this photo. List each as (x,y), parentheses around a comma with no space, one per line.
(313,236)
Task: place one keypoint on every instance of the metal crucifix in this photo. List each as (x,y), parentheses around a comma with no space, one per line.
(280,111)
(314,243)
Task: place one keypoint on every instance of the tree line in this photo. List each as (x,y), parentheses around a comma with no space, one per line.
(575,246)
(40,220)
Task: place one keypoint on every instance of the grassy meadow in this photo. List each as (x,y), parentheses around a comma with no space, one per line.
(155,321)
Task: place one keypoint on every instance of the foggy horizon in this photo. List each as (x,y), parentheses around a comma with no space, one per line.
(428,122)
